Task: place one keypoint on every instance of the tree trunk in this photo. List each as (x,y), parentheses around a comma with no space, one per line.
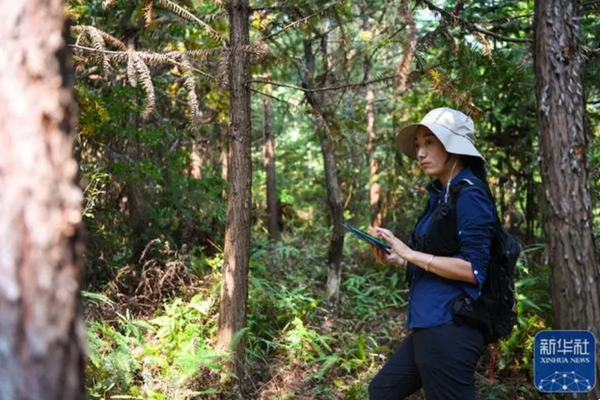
(234,289)
(375,186)
(269,164)
(42,332)
(531,206)
(334,197)
(224,158)
(563,143)
(328,128)
(197,155)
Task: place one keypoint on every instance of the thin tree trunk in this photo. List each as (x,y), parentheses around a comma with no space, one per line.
(375,186)
(42,332)
(234,288)
(563,143)
(269,164)
(334,197)
(137,197)
(197,155)
(328,128)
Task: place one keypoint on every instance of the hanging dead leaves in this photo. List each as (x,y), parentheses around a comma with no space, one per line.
(132,66)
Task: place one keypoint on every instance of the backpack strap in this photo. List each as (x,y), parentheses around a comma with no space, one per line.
(468,182)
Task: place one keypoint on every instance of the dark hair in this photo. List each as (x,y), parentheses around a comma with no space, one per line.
(477,165)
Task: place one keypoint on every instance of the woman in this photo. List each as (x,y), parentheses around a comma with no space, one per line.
(447,259)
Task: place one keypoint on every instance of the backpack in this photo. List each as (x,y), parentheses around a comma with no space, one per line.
(498,291)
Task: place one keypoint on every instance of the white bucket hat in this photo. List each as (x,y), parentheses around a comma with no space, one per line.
(453,128)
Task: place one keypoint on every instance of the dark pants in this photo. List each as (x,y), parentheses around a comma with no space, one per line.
(442,360)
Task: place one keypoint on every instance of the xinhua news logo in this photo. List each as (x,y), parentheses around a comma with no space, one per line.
(564,361)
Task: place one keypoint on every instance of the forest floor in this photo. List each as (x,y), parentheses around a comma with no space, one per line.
(152,338)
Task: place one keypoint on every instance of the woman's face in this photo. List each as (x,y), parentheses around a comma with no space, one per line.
(431,154)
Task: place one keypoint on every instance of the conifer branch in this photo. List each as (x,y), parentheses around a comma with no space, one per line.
(212,17)
(144,77)
(108,39)
(468,26)
(98,44)
(185,14)
(153,59)
(290,104)
(441,84)
(386,78)
(98,40)
(190,85)
(148,12)
(299,22)
(487,51)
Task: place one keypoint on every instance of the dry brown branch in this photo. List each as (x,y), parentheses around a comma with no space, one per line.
(185,14)
(144,77)
(484,43)
(148,12)
(108,39)
(441,84)
(201,54)
(190,85)
(154,59)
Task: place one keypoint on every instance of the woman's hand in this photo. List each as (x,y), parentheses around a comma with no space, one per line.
(398,246)
(382,257)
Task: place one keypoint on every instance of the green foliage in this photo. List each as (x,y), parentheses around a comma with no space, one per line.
(158,358)
(139,187)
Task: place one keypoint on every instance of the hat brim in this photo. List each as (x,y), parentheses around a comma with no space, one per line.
(452,142)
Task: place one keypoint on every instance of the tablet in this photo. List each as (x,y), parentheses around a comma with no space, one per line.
(380,244)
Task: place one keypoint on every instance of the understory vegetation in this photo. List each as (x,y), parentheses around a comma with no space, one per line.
(298,346)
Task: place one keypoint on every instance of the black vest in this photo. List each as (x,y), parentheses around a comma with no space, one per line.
(441,238)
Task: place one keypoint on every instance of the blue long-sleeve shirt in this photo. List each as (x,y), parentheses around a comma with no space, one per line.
(430,294)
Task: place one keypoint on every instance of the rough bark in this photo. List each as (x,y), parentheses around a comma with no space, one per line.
(224,157)
(269,165)
(234,288)
(328,129)
(42,331)
(563,143)
(531,206)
